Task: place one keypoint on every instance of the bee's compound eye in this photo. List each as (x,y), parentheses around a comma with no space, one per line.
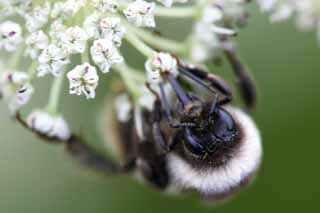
(224,125)
(192,143)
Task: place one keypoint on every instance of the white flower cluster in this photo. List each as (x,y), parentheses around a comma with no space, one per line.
(80,40)
(307,12)
(205,40)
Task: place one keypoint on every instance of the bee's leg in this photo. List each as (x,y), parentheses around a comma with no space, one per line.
(182,96)
(153,165)
(163,100)
(245,81)
(202,77)
(156,128)
(85,154)
(91,159)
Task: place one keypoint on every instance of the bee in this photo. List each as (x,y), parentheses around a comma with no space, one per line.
(186,143)
(200,144)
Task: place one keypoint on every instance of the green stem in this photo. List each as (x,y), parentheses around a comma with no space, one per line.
(85,57)
(15,60)
(157,41)
(128,77)
(139,45)
(176,12)
(56,88)
(32,70)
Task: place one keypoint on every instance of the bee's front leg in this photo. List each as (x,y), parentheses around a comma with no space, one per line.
(85,154)
(91,159)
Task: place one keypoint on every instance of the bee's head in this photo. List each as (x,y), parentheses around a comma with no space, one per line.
(212,131)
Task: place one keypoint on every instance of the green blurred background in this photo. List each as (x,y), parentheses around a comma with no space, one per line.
(40,178)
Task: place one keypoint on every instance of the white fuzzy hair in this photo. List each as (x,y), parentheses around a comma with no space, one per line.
(223,179)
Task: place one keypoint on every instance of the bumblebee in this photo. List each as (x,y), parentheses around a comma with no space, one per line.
(192,143)
(188,142)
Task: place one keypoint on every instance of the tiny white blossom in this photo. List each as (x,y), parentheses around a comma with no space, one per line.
(169,3)
(74,40)
(161,62)
(38,17)
(83,79)
(212,15)
(106,5)
(112,29)
(67,9)
(57,29)
(15,89)
(141,13)
(52,60)
(10,36)
(205,44)
(105,54)
(48,125)
(91,25)
(36,42)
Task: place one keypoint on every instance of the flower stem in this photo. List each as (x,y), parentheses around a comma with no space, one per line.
(176,12)
(128,77)
(158,42)
(56,88)
(15,59)
(32,70)
(139,45)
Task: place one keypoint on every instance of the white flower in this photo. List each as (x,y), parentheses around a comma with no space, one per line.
(106,5)
(105,54)
(52,60)
(108,28)
(123,107)
(169,3)
(212,15)
(38,17)
(83,79)
(57,10)
(112,29)
(35,42)
(161,62)
(283,12)
(74,40)
(67,9)
(57,29)
(15,89)
(204,44)
(91,25)
(10,36)
(48,125)
(141,13)
(233,10)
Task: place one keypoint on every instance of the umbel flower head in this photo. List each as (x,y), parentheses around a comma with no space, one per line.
(80,42)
